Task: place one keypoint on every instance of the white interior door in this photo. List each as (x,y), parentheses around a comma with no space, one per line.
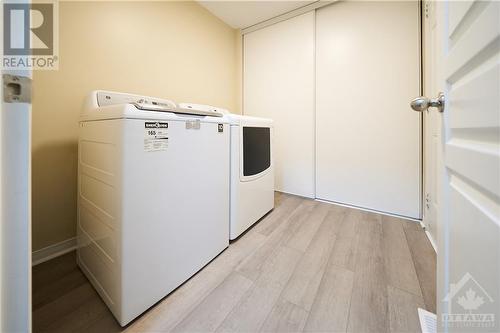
(469,240)
(368,142)
(279,84)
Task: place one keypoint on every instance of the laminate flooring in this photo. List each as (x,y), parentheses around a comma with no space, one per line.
(307,266)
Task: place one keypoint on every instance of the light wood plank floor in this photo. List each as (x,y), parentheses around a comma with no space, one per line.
(306,266)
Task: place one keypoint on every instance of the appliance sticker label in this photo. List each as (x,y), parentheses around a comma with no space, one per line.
(155,136)
(220,128)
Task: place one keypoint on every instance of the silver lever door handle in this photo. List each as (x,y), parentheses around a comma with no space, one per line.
(423,103)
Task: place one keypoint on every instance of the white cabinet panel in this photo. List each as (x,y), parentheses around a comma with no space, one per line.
(279,84)
(368,143)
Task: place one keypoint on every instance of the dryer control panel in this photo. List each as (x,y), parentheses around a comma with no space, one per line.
(200,109)
(140,102)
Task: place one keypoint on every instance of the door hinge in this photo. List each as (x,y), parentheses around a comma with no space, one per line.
(16,88)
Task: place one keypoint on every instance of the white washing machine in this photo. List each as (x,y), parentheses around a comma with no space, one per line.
(153,197)
(252,171)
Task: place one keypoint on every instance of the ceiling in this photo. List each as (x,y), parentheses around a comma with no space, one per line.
(243,14)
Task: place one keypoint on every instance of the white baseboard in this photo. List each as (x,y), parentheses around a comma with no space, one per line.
(53,251)
(429,237)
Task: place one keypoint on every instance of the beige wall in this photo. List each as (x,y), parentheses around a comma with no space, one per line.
(175,50)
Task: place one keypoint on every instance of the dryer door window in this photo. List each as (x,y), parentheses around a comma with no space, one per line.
(256,150)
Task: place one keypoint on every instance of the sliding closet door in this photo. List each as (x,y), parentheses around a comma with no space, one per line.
(279,84)
(368,139)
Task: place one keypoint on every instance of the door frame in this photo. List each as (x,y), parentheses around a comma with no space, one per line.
(15,203)
(423,46)
(15,210)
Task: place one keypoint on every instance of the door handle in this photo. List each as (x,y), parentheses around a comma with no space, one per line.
(423,103)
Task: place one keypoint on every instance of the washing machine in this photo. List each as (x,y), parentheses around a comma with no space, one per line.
(153,196)
(252,171)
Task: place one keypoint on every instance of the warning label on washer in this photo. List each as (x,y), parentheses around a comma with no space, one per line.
(155,136)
